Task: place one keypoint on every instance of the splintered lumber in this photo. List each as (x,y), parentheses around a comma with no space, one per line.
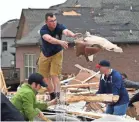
(80,85)
(97,98)
(91,77)
(82,68)
(75,90)
(67,80)
(82,93)
(88,114)
(95,106)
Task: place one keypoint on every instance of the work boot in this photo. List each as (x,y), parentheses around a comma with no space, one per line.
(52,95)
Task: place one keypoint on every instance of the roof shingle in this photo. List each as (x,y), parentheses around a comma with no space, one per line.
(9,29)
(111,19)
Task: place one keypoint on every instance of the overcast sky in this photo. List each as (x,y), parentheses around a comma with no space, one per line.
(11,9)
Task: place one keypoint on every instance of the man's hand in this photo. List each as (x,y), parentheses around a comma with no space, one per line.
(76,35)
(40,115)
(52,102)
(64,44)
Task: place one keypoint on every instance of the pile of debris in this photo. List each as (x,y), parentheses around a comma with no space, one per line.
(79,93)
(78,98)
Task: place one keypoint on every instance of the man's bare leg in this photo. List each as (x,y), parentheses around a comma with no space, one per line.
(56,82)
(50,87)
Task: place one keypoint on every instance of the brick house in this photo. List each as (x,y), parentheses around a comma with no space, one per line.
(115,20)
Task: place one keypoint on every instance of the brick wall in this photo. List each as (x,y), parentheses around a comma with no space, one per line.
(127,62)
(20,51)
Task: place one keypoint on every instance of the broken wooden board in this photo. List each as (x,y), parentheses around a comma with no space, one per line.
(3,86)
(83,75)
(86,69)
(75,90)
(98,98)
(89,78)
(82,93)
(88,114)
(87,85)
(102,117)
(95,106)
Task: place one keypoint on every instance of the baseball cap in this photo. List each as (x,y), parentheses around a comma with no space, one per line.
(37,78)
(103,63)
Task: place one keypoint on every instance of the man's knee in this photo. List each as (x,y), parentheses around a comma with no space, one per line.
(55,78)
(120,110)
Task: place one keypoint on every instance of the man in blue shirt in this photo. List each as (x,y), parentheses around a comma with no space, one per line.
(111,82)
(51,57)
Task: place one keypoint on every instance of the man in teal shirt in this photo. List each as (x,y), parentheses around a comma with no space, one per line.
(25,98)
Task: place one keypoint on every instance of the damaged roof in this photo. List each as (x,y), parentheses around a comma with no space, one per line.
(115,20)
(96,3)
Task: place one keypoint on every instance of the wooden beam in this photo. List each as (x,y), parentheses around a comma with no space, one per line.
(82,93)
(79,85)
(97,98)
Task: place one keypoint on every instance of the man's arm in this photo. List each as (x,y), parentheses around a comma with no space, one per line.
(28,107)
(51,39)
(69,33)
(43,105)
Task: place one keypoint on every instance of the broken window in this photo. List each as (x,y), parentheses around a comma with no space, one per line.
(29,64)
(4,46)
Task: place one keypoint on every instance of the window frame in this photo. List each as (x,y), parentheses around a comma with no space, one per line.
(28,66)
(4,46)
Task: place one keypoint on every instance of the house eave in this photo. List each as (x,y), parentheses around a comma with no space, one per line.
(26,44)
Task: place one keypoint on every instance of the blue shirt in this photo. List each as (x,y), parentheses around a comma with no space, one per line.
(113,84)
(47,48)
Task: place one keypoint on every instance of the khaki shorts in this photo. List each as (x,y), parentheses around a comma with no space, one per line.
(50,66)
